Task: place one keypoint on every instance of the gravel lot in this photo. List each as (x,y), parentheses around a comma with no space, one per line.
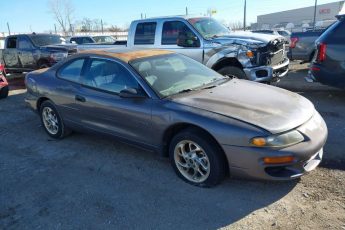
(88,182)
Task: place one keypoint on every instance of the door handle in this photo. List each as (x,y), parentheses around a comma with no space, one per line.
(80,98)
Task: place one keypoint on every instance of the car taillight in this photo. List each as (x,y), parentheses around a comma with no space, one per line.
(293,42)
(321,55)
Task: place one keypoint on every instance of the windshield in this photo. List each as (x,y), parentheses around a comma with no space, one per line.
(44,40)
(104,39)
(208,27)
(173,74)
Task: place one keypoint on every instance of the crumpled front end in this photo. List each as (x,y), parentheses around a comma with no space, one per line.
(261,62)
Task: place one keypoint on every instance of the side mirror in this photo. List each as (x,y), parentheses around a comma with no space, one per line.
(185,39)
(131,93)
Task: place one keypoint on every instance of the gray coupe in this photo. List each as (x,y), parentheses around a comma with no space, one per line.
(209,125)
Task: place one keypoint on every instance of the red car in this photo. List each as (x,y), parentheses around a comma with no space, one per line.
(3,83)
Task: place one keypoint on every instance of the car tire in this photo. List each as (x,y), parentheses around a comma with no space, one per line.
(202,157)
(4,92)
(233,71)
(52,121)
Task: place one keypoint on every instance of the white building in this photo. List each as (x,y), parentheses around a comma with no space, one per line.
(300,18)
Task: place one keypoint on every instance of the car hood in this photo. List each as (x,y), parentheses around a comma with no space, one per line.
(273,109)
(247,38)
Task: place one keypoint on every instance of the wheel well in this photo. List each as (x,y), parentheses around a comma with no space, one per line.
(171,131)
(42,61)
(227,62)
(40,101)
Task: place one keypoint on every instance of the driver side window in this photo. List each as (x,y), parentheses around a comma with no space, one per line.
(172,30)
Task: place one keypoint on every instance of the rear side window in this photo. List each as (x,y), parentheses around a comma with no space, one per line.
(338,34)
(171,31)
(72,70)
(145,33)
(11,43)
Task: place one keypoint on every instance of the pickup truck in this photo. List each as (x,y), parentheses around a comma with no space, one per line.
(27,52)
(256,57)
(302,45)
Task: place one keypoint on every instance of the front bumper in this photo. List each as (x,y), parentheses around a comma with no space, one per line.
(248,162)
(268,73)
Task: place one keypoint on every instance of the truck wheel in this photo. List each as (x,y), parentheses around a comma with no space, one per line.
(43,66)
(196,159)
(233,71)
(4,92)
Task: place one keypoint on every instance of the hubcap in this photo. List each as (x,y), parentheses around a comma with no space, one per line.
(50,120)
(192,161)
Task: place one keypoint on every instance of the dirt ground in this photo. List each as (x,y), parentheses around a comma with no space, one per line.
(88,182)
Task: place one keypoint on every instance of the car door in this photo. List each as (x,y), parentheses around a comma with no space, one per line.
(10,54)
(26,53)
(169,39)
(103,109)
(66,87)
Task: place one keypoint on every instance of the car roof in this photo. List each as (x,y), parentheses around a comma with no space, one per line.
(128,55)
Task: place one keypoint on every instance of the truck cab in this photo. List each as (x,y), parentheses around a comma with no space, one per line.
(27,52)
(256,57)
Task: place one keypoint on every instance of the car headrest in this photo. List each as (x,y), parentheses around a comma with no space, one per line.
(145,67)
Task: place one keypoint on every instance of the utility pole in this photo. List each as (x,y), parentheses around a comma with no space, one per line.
(186,10)
(102,25)
(55,28)
(245,15)
(8,27)
(314,22)
(141,15)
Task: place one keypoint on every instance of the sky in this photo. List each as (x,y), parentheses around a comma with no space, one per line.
(35,16)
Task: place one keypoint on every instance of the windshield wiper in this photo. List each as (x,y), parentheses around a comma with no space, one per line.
(185,91)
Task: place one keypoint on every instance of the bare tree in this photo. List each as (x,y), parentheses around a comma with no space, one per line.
(238,25)
(62,11)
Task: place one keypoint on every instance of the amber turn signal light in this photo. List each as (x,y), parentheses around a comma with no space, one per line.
(250,54)
(279,160)
(259,141)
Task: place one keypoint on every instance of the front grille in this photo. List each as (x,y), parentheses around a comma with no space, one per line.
(72,51)
(272,54)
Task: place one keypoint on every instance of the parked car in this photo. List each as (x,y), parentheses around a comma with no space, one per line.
(302,45)
(208,124)
(3,86)
(246,55)
(99,39)
(328,63)
(27,52)
(284,33)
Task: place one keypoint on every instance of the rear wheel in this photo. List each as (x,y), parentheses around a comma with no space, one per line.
(233,71)
(4,92)
(197,159)
(51,121)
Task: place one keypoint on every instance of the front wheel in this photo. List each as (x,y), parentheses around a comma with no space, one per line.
(52,121)
(233,71)
(197,159)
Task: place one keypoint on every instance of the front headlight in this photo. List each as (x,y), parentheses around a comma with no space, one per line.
(58,56)
(280,140)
